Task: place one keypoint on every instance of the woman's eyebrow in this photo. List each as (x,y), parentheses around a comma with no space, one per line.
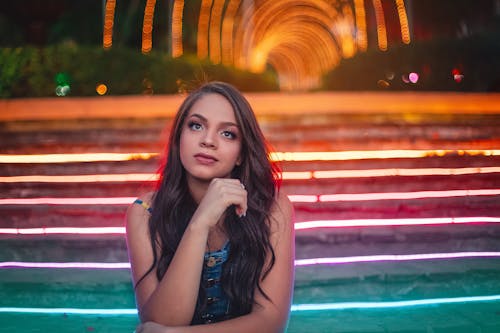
(225,123)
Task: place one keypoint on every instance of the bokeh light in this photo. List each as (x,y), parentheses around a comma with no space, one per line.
(457,75)
(62,84)
(413,77)
(101,89)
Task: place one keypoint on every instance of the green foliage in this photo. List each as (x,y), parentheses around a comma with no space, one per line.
(33,72)
(476,58)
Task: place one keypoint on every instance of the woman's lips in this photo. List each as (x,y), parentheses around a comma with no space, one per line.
(205,159)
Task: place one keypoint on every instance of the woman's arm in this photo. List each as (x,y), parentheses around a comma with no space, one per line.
(172,300)
(269,315)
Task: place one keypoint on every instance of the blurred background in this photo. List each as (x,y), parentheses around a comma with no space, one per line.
(135,47)
(383,114)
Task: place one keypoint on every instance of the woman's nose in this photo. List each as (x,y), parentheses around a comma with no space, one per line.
(209,140)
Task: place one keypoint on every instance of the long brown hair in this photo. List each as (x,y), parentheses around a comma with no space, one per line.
(173,205)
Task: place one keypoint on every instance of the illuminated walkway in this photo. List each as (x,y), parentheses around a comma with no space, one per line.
(398,219)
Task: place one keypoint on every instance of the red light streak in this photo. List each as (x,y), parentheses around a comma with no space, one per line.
(294,198)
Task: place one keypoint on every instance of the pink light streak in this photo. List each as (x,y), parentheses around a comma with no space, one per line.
(298,225)
(69,201)
(393,222)
(64,230)
(402,172)
(298,262)
(313,198)
(84,265)
(392,257)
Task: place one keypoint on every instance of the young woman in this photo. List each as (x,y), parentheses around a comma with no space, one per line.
(214,244)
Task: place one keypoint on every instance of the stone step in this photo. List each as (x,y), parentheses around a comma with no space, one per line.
(312,243)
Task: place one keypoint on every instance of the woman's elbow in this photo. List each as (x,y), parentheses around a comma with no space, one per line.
(164,317)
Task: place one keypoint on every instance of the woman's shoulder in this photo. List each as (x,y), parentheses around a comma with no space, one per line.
(140,210)
(282,209)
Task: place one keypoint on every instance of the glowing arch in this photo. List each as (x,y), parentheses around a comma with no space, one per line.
(300,39)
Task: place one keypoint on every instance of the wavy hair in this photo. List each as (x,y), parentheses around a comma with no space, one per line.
(173,205)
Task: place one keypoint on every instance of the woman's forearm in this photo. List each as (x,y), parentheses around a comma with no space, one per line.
(174,300)
(262,322)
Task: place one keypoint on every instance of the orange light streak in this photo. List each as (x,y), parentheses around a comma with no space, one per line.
(177,14)
(147,26)
(215,31)
(381,29)
(276,156)
(373,154)
(359,11)
(286,175)
(227,32)
(109,18)
(203,24)
(344,31)
(403,21)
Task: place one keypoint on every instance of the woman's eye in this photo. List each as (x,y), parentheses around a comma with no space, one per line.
(195,126)
(228,134)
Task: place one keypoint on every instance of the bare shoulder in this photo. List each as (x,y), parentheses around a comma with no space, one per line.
(282,212)
(137,215)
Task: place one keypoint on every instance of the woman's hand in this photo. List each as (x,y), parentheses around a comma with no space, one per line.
(221,193)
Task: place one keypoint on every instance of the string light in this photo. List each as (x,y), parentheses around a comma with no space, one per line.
(359,11)
(147,26)
(109,17)
(203,24)
(381,29)
(177,15)
(403,21)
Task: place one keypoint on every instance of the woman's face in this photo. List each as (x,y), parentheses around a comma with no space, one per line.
(210,142)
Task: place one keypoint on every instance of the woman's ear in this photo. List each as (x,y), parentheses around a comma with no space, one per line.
(239,160)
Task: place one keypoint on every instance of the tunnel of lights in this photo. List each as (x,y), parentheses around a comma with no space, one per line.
(299,39)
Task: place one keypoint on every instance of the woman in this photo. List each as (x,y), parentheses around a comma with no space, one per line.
(214,244)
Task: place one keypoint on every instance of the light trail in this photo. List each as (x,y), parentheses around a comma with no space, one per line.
(294,307)
(393,257)
(75,158)
(64,230)
(276,156)
(298,262)
(306,225)
(393,222)
(294,198)
(286,175)
(392,304)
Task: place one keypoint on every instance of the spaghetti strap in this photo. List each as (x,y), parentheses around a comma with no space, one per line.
(145,205)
